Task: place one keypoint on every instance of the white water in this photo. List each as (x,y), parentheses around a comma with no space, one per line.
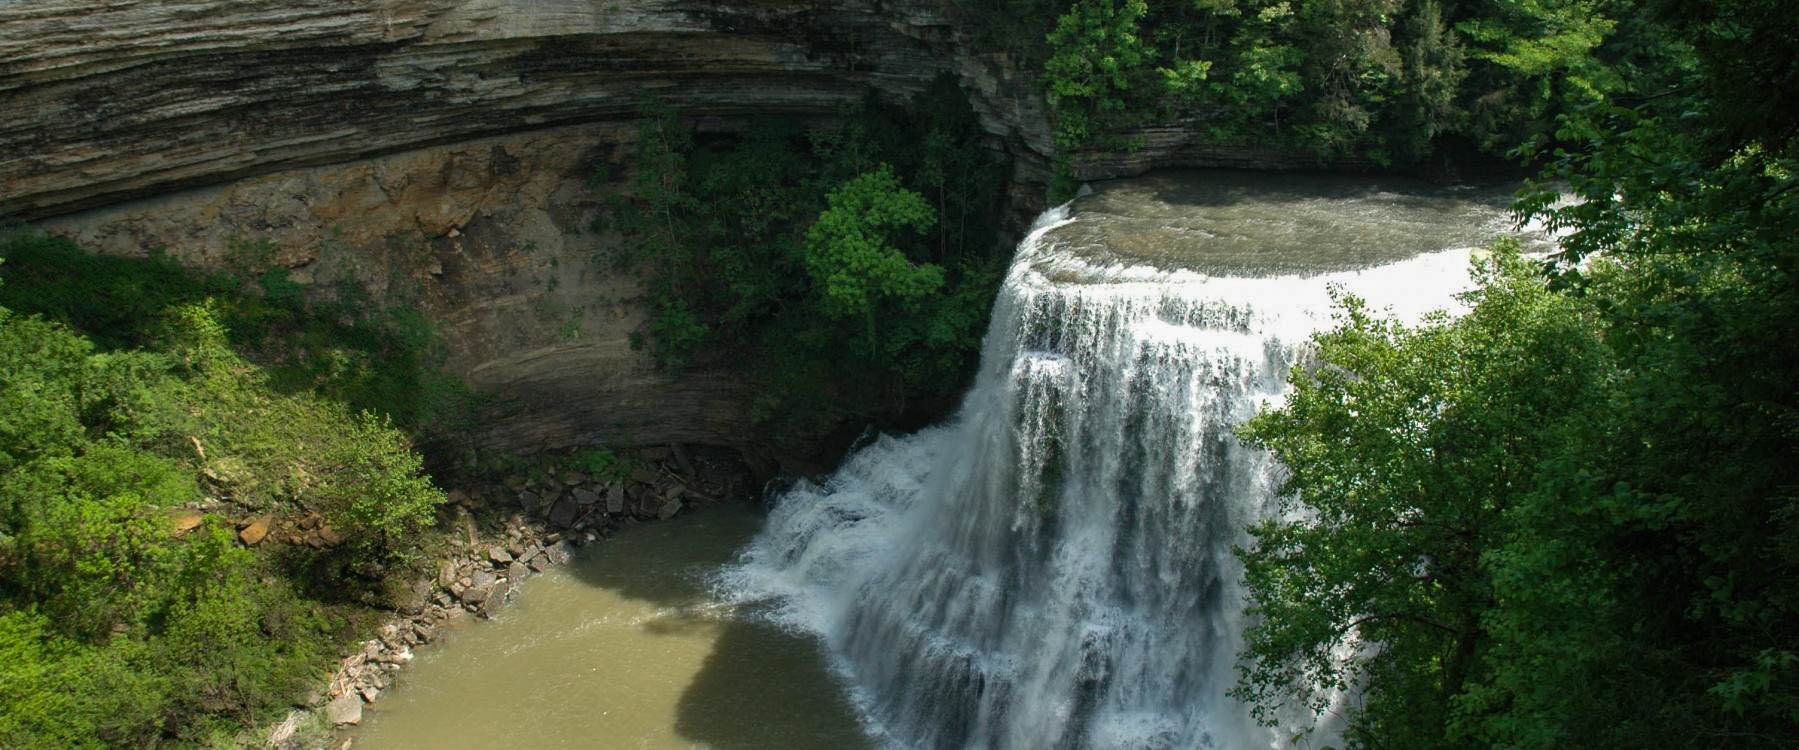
(1052,568)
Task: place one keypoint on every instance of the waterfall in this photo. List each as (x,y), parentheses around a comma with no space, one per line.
(1053,567)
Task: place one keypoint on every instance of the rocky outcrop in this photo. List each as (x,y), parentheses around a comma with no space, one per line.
(1189,145)
(502,533)
(434,153)
(126,99)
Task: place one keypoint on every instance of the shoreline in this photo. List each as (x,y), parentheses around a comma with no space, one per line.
(502,532)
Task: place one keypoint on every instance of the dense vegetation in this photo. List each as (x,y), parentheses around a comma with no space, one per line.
(1392,80)
(850,265)
(124,409)
(1568,519)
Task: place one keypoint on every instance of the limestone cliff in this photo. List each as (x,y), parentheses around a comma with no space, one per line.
(114,100)
(433,152)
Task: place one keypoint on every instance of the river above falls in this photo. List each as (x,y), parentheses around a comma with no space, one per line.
(625,647)
(1259,224)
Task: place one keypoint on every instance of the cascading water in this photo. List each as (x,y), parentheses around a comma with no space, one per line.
(1053,567)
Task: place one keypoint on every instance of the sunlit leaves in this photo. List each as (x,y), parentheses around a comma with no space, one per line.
(852,261)
(1408,448)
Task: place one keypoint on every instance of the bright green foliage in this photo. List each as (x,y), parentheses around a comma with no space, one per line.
(370,486)
(86,539)
(1099,59)
(113,630)
(42,362)
(56,692)
(1411,448)
(849,264)
(272,451)
(852,262)
(387,360)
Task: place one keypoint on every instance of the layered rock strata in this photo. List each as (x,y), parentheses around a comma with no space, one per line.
(127,98)
(435,154)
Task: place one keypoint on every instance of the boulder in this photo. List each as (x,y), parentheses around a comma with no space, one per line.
(255,531)
(186,520)
(413,600)
(493,604)
(615,498)
(530,500)
(586,496)
(516,572)
(344,709)
(480,589)
(498,554)
(446,573)
(369,693)
(328,536)
(682,459)
(565,513)
(557,553)
(669,508)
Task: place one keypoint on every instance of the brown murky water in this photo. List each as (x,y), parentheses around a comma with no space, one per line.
(623,648)
(1269,224)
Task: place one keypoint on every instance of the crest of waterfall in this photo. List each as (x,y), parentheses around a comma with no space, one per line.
(1053,568)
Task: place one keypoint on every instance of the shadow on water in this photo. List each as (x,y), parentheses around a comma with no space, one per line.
(743,696)
(760,686)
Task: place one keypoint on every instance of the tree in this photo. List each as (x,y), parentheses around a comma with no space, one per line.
(1635,584)
(1407,450)
(851,253)
(1098,57)
(374,490)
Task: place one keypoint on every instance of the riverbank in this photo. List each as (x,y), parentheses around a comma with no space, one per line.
(502,529)
(633,644)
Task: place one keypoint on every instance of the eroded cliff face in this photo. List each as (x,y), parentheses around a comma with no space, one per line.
(434,152)
(122,99)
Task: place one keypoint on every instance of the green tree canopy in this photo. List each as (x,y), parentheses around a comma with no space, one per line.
(850,251)
(1408,450)
(1630,582)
